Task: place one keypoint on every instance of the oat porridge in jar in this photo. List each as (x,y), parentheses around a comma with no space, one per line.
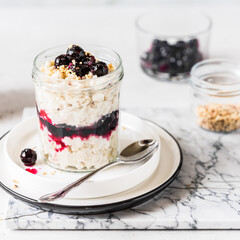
(77,96)
(216,95)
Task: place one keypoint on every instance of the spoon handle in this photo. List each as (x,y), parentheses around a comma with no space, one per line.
(64,191)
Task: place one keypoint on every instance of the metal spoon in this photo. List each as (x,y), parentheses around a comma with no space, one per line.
(135,152)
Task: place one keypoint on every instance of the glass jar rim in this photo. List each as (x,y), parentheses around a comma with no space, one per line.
(231,88)
(138,26)
(98,81)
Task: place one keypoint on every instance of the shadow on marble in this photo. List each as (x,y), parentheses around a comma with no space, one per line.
(15,101)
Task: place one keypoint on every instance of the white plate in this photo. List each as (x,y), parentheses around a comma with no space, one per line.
(108,182)
(167,170)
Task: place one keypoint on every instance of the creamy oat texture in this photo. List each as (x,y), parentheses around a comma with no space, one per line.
(77,108)
(219,117)
(87,154)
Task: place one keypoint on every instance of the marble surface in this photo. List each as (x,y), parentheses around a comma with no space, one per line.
(205,195)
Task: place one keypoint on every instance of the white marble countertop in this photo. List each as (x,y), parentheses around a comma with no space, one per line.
(26,31)
(205,194)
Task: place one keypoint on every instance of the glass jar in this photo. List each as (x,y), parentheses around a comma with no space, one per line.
(78,119)
(171,42)
(216,94)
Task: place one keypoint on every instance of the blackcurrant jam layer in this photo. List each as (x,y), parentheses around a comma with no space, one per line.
(102,128)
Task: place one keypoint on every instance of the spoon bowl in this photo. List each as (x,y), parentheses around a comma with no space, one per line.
(138,151)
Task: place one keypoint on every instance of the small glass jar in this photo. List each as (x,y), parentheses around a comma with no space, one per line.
(78,119)
(171,42)
(215,85)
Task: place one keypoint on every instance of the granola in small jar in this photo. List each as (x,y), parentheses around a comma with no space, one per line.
(216,95)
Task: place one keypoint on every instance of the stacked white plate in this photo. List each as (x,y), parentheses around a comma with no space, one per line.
(116,188)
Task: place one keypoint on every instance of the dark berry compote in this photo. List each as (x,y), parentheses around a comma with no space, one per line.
(172,59)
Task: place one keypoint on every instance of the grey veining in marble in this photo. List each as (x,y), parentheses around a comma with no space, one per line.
(205,195)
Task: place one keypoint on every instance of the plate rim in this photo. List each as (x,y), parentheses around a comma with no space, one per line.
(103,208)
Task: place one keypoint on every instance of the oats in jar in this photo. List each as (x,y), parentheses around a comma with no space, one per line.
(219,117)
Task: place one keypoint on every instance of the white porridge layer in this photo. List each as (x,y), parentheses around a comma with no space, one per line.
(74,108)
(91,153)
(77,110)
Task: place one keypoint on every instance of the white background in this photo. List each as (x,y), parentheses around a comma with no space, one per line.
(27,27)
